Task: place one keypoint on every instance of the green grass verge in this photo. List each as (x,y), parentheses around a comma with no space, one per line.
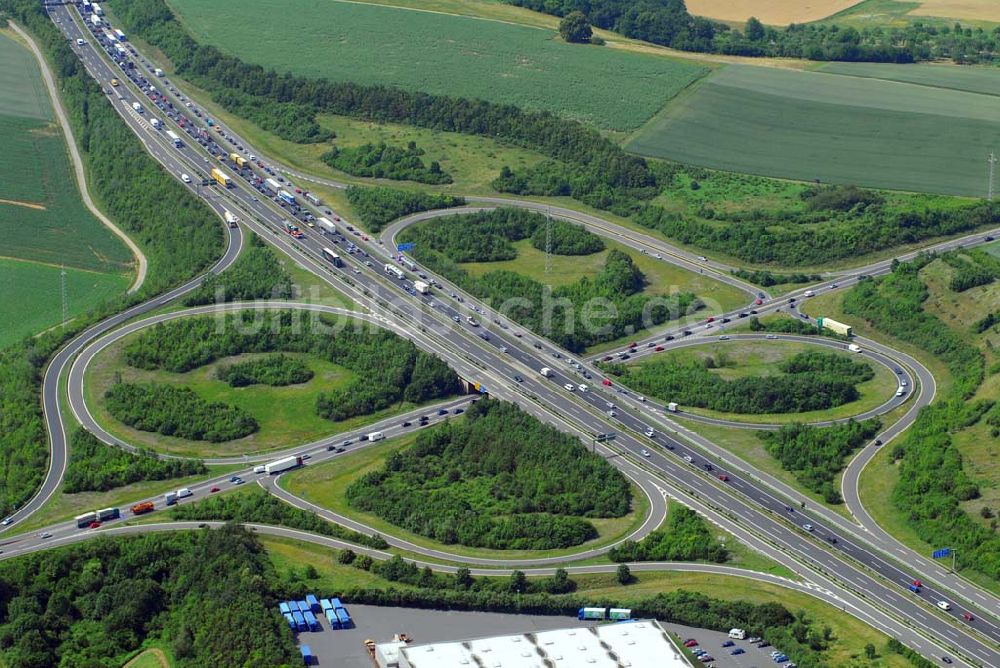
(324,485)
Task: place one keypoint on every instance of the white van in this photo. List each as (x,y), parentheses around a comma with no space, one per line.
(258,469)
(184,492)
(583,388)
(854,348)
(808,293)
(376,436)
(737,634)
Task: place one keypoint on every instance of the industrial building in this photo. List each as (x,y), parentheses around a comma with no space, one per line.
(633,644)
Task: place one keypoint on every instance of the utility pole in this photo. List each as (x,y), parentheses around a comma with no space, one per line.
(992,160)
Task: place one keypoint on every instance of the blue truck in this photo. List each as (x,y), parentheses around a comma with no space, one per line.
(335,603)
(343,618)
(313,603)
(307,655)
(325,604)
(331,616)
(311,621)
(300,621)
(303,606)
(290,620)
(283,608)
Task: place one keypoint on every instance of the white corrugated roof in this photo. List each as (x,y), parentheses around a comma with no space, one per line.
(639,644)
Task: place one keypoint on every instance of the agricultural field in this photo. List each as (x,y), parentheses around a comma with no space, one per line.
(771,12)
(42,219)
(902,12)
(31,299)
(925,136)
(492,60)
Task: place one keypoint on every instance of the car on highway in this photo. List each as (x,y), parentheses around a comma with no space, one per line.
(658,349)
(967,616)
(771,336)
(807,527)
(407,424)
(723,477)
(457,411)
(44,535)
(213,490)
(569,387)
(517,379)
(79,42)
(94,525)
(689,459)
(944,605)
(185,178)
(7,521)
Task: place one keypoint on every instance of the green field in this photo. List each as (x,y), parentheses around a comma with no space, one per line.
(31,298)
(443,54)
(929,135)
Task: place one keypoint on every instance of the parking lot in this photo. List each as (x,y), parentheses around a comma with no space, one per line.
(712,642)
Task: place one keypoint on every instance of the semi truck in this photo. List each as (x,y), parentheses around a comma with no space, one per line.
(283,464)
(273,185)
(221,178)
(408,263)
(95,20)
(144,507)
(83,521)
(325,226)
(332,257)
(421,287)
(590,613)
(313,603)
(286,197)
(106,514)
(175,138)
(376,436)
(231,219)
(293,230)
(120,35)
(614,614)
(170,498)
(96,8)
(394,272)
(312,198)
(834,326)
(331,616)
(307,655)
(300,621)
(238,160)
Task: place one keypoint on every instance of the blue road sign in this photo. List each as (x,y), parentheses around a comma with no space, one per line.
(942,553)
(405,247)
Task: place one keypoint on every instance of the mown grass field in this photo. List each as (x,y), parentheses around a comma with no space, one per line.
(31,298)
(444,54)
(932,137)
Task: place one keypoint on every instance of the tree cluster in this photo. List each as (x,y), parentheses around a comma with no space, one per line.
(178,241)
(390,369)
(815,455)
(274,370)
(932,480)
(786,326)
(767,278)
(689,382)
(498,479)
(255,505)
(207,594)
(383,161)
(177,411)
(256,274)
(377,207)
(668,23)
(971,269)
(96,467)
(687,537)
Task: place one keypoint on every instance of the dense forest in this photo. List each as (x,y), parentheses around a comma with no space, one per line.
(256,274)
(177,411)
(932,481)
(383,161)
(816,454)
(498,478)
(207,594)
(377,207)
(390,369)
(274,370)
(256,505)
(178,241)
(687,537)
(604,307)
(96,467)
(809,381)
(668,23)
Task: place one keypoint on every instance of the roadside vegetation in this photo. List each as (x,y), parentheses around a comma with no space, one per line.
(379,206)
(96,467)
(382,161)
(273,370)
(256,274)
(497,479)
(686,537)
(444,243)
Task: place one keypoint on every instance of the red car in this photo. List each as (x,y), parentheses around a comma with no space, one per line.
(632,345)
(606,382)
(967,616)
(690,642)
(758,301)
(710,319)
(724,478)
(214,490)
(298,191)
(918,583)
(95,525)
(658,349)
(606,358)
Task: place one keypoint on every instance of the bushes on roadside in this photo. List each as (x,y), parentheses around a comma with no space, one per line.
(256,274)
(273,370)
(377,207)
(177,411)
(687,537)
(96,467)
(382,161)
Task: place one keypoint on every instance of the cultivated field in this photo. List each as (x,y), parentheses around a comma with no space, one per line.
(903,12)
(443,54)
(840,129)
(772,12)
(31,298)
(968,10)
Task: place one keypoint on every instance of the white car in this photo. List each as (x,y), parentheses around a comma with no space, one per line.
(944,605)
(46,534)
(650,433)
(185,178)
(79,42)
(569,387)
(582,388)
(770,336)
(7,521)
(688,458)
(612,414)
(645,453)
(807,527)
(642,399)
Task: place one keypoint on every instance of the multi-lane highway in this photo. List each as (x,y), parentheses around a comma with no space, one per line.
(851,566)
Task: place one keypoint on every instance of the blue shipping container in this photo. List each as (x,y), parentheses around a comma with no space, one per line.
(345,619)
(313,603)
(311,621)
(304,607)
(325,604)
(290,620)
(283,607)
(336,603)
(300,621)
(331,617)
(307,655)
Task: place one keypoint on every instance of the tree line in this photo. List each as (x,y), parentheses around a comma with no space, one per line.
(687,537)
(971,268)
(177,411)
(932,479)
(498,478)
(815,455)
(96,467)
(382,161)
(668,23)
(179,241)
(766,278)
(805,385)
(273,370)
(389,369)
(208,595)
(255,505)
(379,206)
(256,274)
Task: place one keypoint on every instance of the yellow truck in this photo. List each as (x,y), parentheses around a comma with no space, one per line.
(221,178)
(238,160)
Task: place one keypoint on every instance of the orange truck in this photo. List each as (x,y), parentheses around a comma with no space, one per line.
(144,507)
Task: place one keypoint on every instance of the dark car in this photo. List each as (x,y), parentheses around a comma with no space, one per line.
(407,423)
(442,411)
(518,379)
(458,410)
